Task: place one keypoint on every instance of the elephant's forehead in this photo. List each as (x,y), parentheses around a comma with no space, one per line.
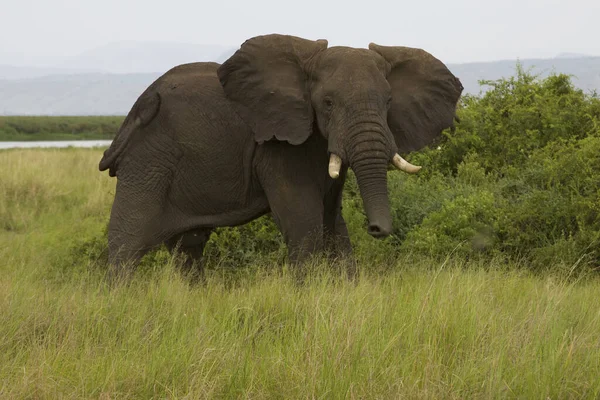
(352,61)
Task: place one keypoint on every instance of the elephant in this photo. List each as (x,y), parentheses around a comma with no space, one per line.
(273,129)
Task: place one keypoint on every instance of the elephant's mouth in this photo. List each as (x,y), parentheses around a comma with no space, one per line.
(371,174)
(335,164)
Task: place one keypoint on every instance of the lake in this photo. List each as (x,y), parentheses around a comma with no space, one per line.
(55,143)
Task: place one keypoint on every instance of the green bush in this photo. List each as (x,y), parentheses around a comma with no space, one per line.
(517,116)
(255,242)
(464,225)
(558,207)
(521,177)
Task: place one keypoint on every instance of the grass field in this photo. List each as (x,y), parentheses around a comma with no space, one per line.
(431,330)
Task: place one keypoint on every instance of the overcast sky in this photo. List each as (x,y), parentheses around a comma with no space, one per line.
(455,31)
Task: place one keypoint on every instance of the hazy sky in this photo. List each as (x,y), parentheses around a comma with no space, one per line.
(454,31)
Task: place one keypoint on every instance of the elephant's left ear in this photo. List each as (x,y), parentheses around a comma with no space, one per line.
(424,96)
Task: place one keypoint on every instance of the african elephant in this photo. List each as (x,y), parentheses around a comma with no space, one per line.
(272,129)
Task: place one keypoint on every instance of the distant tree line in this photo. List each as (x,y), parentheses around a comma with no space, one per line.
(56,128)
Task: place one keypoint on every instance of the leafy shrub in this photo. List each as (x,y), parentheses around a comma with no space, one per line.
(518,177)
(464,225)
(259,240)
(517,116)
(522,174)
(560,205)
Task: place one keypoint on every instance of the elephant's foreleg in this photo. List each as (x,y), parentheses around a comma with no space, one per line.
(298,212)
(338,245)
(304,238)
(303,242)
(292,178)
(301,226)
(337,239)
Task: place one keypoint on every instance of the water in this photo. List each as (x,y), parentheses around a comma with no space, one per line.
(55,143)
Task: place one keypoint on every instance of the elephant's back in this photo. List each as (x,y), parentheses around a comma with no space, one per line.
(191,83)
(192,92)
(195,68)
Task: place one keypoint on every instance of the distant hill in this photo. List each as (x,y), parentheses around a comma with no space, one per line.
(143,57)
(585,71)
(81,94)
(15,72)
(126,57)
(65,91)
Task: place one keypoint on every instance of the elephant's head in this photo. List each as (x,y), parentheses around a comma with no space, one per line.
(369,104)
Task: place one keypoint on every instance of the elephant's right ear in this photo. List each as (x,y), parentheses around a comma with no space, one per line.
(267,81)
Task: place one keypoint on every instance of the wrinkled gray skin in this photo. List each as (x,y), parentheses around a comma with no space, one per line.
(209,145)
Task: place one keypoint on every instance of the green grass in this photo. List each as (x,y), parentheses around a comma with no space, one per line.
(28,128)
(459,329)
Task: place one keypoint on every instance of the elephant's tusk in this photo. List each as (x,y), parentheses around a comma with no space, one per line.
(403,165)
(335,163)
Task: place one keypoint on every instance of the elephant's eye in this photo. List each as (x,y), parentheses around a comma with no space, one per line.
(389,102)
(328,103)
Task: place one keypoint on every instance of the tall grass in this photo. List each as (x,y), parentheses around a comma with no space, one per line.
(458,329)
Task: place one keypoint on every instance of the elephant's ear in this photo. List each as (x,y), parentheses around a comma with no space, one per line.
(424,96)
(267,81)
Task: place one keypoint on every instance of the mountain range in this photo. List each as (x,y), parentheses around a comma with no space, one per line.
(107,80)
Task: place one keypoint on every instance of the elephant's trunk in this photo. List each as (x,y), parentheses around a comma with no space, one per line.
(370,167)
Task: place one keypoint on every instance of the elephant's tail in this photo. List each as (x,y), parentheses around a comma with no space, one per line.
(143,111)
